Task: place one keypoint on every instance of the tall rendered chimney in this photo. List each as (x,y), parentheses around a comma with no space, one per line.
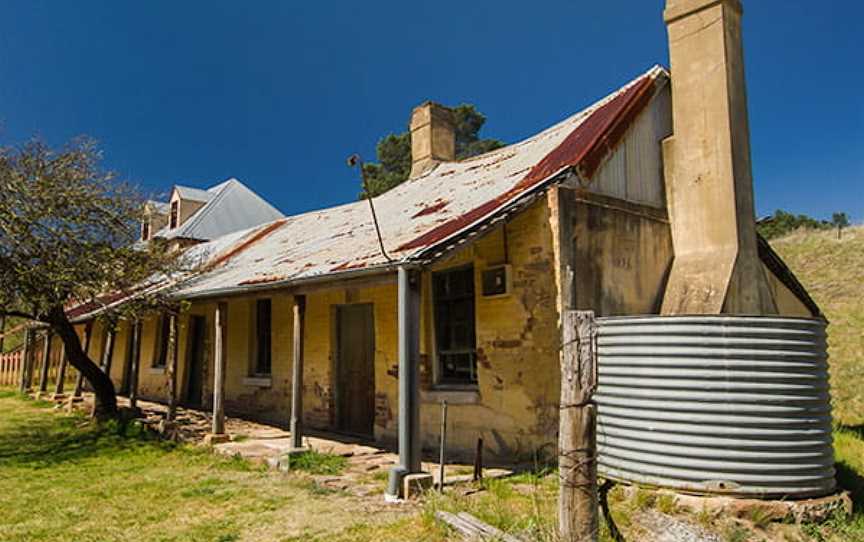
(433,139)
(709,181)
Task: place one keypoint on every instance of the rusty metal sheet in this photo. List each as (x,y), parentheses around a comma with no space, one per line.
(421,213)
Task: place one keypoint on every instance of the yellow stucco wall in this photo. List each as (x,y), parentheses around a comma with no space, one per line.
(513,408)
(622,260)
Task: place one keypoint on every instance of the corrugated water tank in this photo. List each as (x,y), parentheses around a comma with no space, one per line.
(715,404)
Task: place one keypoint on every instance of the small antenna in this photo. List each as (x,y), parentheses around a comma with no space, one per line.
(355,160)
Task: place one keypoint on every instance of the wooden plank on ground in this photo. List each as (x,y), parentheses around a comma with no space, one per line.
(472,528)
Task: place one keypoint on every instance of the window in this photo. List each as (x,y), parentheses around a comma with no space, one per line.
(145,230)
(175,215)
(162,336)
(263,310)
(453,293)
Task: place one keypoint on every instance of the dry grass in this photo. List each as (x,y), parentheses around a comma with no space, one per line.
(832,270)
(64,478)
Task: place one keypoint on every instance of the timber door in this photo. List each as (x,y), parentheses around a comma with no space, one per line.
(195,366)
(355,369)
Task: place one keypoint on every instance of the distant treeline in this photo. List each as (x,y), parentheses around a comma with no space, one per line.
(782,223)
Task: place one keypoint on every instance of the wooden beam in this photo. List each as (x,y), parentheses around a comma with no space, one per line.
(299,324)
(577,438)
(472,528)
(219,369)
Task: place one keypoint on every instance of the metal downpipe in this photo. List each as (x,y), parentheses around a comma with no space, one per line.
(409,404)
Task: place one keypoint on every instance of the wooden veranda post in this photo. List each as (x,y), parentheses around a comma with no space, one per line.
(219,370)
(61,372)
(26,355)
(108,352)
(297,373)
(172,366)
(134,366)
(46,364)
(79,382)
(577,436)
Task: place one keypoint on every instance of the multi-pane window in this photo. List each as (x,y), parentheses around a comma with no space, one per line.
(162,336)
(453,295)
(175,215)
(263,313)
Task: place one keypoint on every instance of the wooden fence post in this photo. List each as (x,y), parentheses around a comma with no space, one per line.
(577,437)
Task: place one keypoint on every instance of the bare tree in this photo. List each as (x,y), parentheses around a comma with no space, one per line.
(68,237)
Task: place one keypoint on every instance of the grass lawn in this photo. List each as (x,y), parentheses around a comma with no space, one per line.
(64,478)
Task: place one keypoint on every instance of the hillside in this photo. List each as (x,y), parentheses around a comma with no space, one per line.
(832,270)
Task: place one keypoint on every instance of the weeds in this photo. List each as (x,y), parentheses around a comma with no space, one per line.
(317,463)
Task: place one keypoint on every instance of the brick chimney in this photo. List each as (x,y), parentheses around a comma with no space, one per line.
(433,139)
(709,180)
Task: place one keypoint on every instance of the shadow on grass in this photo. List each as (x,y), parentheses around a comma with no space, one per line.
(31,437)
(857,430)
(852,481)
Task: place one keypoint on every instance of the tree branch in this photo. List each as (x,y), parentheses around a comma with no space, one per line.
(19,314)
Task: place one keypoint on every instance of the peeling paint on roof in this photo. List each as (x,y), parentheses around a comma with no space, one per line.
(423,213)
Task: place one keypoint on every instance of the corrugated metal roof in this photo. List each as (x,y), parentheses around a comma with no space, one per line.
(231,207)
(197,194)
(426,212)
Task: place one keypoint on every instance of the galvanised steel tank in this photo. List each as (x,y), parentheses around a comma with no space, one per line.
(715,404)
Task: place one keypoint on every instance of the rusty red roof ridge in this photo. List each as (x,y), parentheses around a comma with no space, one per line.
(618,111)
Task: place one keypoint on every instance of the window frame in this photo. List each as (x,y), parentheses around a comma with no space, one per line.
(257,351)
(174,215)
(160,352)
(440,382)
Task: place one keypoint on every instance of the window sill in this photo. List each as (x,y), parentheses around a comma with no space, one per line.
(156,370)
(258,381)
(453,396)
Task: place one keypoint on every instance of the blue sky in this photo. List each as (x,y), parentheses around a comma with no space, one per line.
(278,94)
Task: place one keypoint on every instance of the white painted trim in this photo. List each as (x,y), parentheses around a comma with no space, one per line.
(452,396)
(258,381)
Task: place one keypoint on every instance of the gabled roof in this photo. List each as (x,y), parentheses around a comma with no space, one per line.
(197,194)
(422,216)
(229,207)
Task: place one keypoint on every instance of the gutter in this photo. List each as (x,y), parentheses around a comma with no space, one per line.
(231,291)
